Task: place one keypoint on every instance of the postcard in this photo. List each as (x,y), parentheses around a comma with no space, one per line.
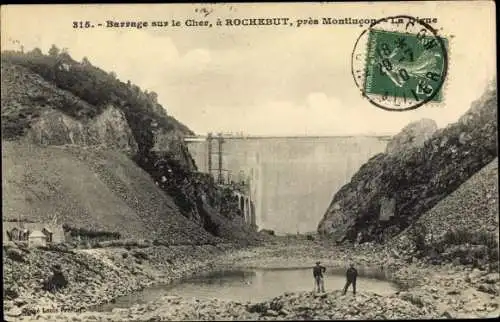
(249,161)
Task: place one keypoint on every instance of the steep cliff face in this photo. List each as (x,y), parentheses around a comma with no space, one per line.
(171,144)
(392,190)
(109,129)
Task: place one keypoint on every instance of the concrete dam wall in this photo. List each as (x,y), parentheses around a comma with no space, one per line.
(292,180)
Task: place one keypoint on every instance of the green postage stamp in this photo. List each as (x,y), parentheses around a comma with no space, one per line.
(400,63)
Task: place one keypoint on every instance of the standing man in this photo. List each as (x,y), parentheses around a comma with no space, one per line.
(351,276)
(318,271)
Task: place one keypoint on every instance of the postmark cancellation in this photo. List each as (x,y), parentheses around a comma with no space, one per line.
(400,63)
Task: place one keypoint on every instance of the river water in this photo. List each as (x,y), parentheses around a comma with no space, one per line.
(252,285)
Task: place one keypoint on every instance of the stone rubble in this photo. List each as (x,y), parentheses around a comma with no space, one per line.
(439,291)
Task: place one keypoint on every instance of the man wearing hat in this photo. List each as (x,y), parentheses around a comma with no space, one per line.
(351,276)
(318,271)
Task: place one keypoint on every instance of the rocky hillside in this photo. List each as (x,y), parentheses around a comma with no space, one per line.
(99,190)
(463,227)
(67,129)
(473,206)
(392,190)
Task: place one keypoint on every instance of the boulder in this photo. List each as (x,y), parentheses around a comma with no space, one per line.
(491,278)
(447,315)
(14,312)
(271,313)
(258,308)
(488,288)
(267,231)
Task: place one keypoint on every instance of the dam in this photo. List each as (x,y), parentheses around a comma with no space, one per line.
(291,180)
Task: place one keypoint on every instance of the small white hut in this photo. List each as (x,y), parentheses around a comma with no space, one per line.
(37,238)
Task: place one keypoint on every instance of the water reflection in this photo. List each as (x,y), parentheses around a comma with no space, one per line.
(248,285)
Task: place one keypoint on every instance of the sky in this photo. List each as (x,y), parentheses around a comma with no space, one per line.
(261,80)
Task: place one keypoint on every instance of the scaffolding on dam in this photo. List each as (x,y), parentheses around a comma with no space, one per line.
(223,177)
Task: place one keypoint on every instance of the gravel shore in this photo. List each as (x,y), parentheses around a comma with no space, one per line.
(438,291)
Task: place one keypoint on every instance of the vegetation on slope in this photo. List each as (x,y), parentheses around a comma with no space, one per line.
(96,88)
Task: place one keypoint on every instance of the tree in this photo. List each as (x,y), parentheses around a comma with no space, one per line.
(54,51)
(153,96)
(36,51)
(136,89)
(65,57)
(85,61)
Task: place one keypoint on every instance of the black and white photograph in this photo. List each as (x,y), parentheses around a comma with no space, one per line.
(249,161)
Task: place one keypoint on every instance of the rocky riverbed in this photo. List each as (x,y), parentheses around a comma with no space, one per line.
(95,276)
(437,291)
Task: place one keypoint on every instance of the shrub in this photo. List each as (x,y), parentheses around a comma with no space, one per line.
(417,234)
(124,255)
(15,255)
(140,255)
(10,294)
(55,282)
(461,246)
(465,236)
(91,234)
(60,248)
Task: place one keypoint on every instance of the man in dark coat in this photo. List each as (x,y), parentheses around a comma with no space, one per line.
(56,280)
(351,276)
(318,271)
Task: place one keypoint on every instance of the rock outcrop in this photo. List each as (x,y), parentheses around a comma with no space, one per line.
(412,135)
(405,185)
(170,144)
(109,130)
